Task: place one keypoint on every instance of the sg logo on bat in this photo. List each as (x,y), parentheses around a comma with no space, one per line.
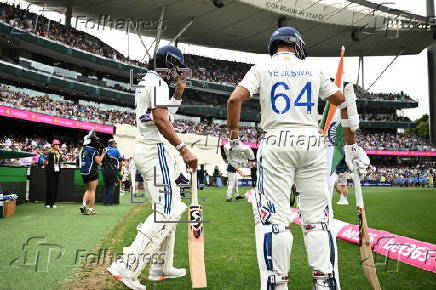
(196,215)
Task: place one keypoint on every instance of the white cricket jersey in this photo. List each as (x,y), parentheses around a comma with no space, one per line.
(288,90)
(153,93)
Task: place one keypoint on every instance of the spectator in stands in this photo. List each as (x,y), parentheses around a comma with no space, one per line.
(7,143)
(362,94)
(43,27)
(52,165)
(214,70)
(67,109)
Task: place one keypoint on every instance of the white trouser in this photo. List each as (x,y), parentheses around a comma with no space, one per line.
(342,179)
(156,167)
(232,184)
(279,167)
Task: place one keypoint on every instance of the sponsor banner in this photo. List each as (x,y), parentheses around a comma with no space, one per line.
(400,153)
(413,252)
(416,253)
(57,121)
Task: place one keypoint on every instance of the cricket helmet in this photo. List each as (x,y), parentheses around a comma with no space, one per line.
(288,35)
(171,54)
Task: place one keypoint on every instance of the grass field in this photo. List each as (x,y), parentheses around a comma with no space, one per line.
(229,243)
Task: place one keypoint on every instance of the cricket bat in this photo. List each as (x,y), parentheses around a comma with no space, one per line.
(366,257)
(196,238)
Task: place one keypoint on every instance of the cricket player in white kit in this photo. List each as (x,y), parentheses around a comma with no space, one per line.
(293,152)
(154,242)
(232,182)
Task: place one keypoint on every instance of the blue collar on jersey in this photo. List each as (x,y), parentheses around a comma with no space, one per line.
(284,52)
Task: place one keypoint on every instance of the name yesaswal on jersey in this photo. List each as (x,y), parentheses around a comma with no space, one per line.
(288,91)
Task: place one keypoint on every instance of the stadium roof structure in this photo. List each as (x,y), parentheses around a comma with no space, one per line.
(363,27)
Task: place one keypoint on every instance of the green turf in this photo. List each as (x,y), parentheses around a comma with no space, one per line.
(64,228)
(230,252)
(404,211)
(229,241)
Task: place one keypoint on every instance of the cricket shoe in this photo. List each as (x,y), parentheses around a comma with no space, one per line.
(229,199)
(239,197)
(158,275)
(121,274)
(341,202)
(323,281)
(89,212)
(83,209)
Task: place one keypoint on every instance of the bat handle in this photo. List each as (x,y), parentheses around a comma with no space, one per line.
(194,194)
(357,186)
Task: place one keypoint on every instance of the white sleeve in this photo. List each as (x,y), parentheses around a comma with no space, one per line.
(326,87)
(173,103)
(159,94)
(251,81)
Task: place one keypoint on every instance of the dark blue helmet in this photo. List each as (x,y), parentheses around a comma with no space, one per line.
(288,35)
(169,50)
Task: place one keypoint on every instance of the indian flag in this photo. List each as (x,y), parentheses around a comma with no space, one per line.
(332,128)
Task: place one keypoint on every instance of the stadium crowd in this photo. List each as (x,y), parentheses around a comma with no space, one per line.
(390,141)
(203,68)
(90,112)
(40,147)
(246,134)
(382,118)
(66,109)
(215,70)
(365,95)
(93,113)
(420,175)
(43,27)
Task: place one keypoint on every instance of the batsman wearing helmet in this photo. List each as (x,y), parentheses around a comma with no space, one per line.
(293,151)
(154,242)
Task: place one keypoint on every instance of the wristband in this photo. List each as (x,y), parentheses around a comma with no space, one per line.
(180,146)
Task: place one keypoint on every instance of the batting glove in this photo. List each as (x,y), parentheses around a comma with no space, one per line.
(237,153)
(355,155)
(234,143)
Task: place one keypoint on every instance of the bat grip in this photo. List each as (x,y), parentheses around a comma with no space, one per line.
(357,186)
(194,191)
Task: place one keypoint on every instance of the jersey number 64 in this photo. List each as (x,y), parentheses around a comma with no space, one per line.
(305,91)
